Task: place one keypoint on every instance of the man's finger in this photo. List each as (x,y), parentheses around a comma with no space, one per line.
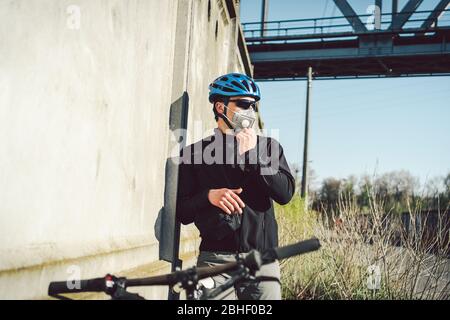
(223,207)
(228,204)
(238,199)
(244,132)
(233,202)
(239,190)
(242,137)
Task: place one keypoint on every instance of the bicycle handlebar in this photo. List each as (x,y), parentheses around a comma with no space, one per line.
(253,261)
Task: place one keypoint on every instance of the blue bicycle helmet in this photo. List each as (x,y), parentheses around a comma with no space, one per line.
(233,84)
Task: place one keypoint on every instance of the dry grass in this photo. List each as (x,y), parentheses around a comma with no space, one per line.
(355,247)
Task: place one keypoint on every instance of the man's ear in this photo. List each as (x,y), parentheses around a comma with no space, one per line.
(219,106)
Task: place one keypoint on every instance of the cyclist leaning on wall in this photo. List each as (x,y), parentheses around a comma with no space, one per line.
(227,185)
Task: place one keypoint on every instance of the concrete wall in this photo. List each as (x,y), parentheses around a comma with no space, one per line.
(85,91)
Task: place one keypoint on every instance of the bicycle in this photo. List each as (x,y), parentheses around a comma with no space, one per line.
(239,270)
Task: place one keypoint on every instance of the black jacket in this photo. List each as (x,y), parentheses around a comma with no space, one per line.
(256,228)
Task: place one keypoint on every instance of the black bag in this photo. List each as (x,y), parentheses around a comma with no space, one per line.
(216,224)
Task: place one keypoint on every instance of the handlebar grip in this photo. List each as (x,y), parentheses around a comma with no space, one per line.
(297,248)
(91,285)
(291,250)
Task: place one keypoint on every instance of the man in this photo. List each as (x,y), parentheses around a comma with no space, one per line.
(227,183)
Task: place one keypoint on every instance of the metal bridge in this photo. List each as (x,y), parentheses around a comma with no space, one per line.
(397,44)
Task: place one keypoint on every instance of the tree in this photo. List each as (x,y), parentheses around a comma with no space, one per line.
(329,193)
(447,184)
(365,189)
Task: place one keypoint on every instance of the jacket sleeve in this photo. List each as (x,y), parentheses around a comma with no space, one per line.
(273,173)
(189,199)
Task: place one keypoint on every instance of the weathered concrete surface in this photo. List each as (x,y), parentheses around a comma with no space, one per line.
(84,129)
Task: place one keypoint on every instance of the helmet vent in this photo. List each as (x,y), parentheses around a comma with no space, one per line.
(245,83)
(228,89)
(237,84)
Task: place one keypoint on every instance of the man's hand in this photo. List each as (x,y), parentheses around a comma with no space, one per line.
(226,199)
(246,139)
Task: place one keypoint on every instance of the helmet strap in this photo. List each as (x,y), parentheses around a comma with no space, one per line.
(224,115)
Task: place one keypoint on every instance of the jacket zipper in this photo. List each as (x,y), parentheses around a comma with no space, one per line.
(239,230)
(264,231)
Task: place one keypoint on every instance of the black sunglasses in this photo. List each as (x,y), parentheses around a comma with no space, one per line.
(244,104)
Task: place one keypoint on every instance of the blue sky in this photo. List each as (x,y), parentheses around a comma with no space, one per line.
(358,126)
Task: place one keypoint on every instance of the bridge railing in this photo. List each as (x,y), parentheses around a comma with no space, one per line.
(338,26)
